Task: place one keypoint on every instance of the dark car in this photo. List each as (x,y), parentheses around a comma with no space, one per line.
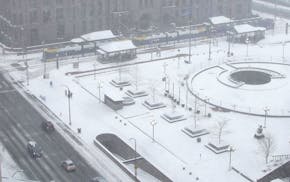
(34,149)
(68,165)
(47,126)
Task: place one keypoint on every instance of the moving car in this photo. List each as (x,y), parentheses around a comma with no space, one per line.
(34,149)
(47,126)
(98,179)
(68,165)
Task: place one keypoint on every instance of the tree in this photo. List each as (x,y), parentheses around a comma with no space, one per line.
(220,128)
(153,86)
(267,146)
(135,75)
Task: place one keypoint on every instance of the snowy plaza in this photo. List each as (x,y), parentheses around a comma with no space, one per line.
(175,106)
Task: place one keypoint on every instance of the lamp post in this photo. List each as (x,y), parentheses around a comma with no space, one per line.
(153,123)
(266,110)
(229,43)
(135,157)
(178,57)
(205,102)
(209,46)
(283,51)
(231,149)
(69,95)
(44,61)
(99,88)
(247,42)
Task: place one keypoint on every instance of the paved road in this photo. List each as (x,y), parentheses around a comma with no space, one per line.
(19,123)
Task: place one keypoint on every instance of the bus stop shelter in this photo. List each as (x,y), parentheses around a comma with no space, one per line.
(91,40)
(246,33)
(123,50)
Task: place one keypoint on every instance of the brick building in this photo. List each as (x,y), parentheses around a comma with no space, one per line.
(32,22)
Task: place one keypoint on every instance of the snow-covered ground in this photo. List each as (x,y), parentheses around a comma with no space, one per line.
(174,153)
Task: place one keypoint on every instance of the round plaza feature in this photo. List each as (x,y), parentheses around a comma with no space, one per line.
(245,87)
(251,77)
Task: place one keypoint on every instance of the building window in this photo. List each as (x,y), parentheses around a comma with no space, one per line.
(46,16)
(59,13)
(33,16)
(34,36)
(60,31)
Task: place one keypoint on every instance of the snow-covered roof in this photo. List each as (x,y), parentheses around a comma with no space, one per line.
(219,20)
(246,28)
(115,96)
(77,40)
(117,46)
(98,36)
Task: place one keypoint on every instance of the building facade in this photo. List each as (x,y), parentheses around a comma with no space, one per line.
(35,22)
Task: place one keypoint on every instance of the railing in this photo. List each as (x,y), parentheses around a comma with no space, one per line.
(280,157)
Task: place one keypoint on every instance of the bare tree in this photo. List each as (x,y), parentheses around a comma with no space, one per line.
(135,75)
(267,146)
(153,88)
(220,128)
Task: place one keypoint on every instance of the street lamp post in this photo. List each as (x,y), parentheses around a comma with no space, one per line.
(283,51)
(153,123)
(231,149)
(69,95)
(247,42)
(229,43)
(209,46)
(99,88)
(266,110)
(205,103)
(44,61)
(135,157)
(178,57)
(27,72)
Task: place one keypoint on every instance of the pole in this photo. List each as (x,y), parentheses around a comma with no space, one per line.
(57,61)
(99,88)
(209,47)
(69,95)
(230,161)
(27,73)
(247,47)
(229,44)
(153,138)
(94,71)
(153,123)
(179,93)
(173,90)
(186,99)
(135,158)
(265,120)
(283,56)
(69,111)
(189,46)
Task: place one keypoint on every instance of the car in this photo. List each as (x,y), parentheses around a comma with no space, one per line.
(47,126)
(98,179)
(68,165)
(34,149)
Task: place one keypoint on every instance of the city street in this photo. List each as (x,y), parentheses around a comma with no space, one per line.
(20,122)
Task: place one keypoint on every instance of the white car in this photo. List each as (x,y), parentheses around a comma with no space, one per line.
(68,165)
